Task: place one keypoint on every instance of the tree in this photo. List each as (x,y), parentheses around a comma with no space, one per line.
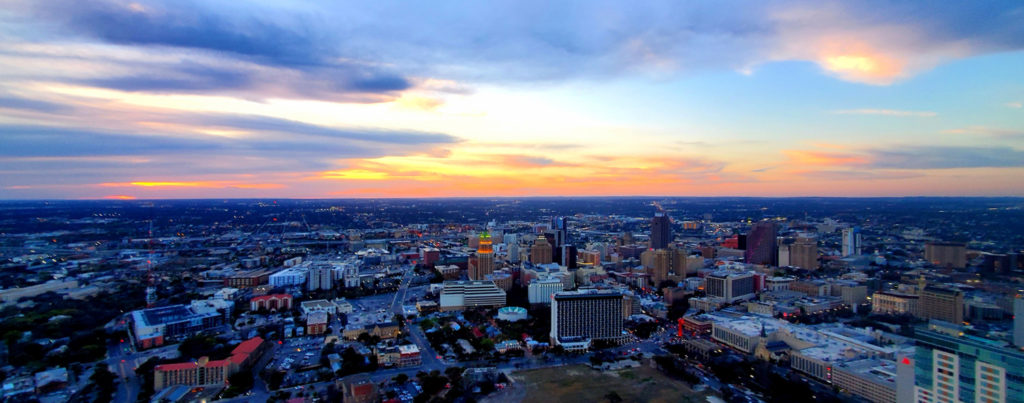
(402,378)
(613,397)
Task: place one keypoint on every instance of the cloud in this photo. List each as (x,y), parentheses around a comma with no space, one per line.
(833,175)
(1016,105)
(7,102)
(913,157)
(887,112)
(937,157)
(992,132)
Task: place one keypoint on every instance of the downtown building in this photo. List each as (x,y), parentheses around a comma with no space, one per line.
(938,303)
(459,295)
(762,248)
(204,372)
(581,317)
(661,231)
(951,367)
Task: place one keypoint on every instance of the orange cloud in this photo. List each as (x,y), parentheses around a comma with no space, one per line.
(198,184)
(119,197)
(801,157)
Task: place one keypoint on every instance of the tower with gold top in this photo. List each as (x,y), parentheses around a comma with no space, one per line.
(484,258)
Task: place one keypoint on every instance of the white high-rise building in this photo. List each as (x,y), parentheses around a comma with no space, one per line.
(513,252)
(851,241)
(320,278)
(292,276)
(510,239)
(541,290)
(350,275)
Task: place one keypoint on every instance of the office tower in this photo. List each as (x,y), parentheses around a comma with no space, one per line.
(1018,321)
(539,291)
(569,256)
(662,263)
(513,253)
(952,367)
(560,227)
(484,258)
(510,239)
(590,314)
(540,252)
(945,304)
(762,248)
(320,278)
(851,241)
(730,287)
(803,253)
(946,254)
(627,238)
(350,274)
(661,231)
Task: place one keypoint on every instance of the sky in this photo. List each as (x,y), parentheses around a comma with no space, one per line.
(314,99)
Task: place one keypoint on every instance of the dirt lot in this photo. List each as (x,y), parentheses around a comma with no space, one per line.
(580,384)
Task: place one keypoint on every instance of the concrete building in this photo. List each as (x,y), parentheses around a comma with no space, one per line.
(854,295)
(661,231)
(248,279)
(204,372)
(449,272)
(350,275)
(873,379)
(290,277)
(320,278)
(888,302)
(318,305)
(484,258)
(316,323)
(540,291)
(272,302)
(591,314)
(540,252)
(851,242)
(1018,321)
(952,367)
(729,286)
(803,253)
(812,288)
(459,295)
(773,284)
(762,248)
(151,327)
(946,254)
(502,279)
(945,304)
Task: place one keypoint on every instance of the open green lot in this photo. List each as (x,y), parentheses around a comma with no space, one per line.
(582,384)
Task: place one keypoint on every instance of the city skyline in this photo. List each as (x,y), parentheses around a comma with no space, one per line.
(162,100)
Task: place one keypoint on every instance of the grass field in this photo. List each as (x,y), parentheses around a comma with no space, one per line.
(578,384)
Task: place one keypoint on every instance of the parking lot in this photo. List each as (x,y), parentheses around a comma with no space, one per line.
(295,354)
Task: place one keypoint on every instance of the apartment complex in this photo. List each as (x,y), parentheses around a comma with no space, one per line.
(204,372)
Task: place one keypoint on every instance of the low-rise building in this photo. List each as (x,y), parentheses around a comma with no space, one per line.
(272,302)
(204,372)
(889,302)
(871,379)
(459,295)
(318,305)
(316,323)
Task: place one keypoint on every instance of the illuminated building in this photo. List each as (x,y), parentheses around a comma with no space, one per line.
(484,258)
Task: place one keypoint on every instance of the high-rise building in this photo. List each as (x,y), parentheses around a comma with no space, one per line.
(539,291)
(762,248)
(540,252)
(945,304)
(946,254)
(1018,321)
(952,367)
(730,287)
(662,263)
(590,314)
(320,278)
(484,258)
(851,241)
(350,274)
(513,253)
(803,253)
(661,231)
(560,226)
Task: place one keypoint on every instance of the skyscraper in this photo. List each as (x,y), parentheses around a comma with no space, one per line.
(540,252)
(762,248)
(662,263)
(946,254)
(594,315)
(851,241)
(803,253)
(484,258)
(661,231)
(320,278)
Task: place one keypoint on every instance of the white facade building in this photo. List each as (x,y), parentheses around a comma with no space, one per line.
(541,290)
(289,277)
